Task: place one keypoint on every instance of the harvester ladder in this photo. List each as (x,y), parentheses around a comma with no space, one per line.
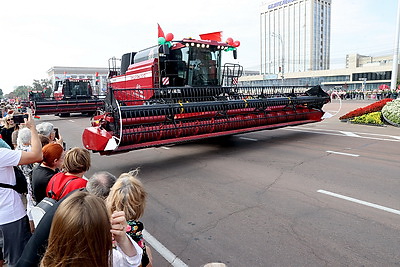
(231,73)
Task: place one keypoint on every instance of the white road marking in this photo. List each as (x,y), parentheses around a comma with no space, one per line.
(341,153)
(349,134)
(379,137)
(160,248)
(249,139)
(372,205)
(165,147)
(71,120)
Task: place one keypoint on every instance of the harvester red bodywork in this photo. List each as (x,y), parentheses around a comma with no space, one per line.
(167,95)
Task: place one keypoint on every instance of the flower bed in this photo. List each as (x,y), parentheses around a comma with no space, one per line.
(373,118)
(391,112)
(374,107)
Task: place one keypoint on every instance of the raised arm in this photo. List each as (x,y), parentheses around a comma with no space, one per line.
(124,243)
(35,154)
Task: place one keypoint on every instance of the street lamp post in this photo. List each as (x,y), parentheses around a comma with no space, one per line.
(282,53)
(393,81)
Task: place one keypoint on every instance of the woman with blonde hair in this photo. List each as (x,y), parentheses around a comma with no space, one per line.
(8,129)
(128,195)
(80,235)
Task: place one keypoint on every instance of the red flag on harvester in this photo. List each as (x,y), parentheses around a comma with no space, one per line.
(160,31)
(213,36)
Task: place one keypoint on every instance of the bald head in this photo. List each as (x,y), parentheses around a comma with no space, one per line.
(100,183)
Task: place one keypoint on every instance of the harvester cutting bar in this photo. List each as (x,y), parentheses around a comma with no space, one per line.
(67,106)
(216,126)
(199,107)
(198,94)
(174,119)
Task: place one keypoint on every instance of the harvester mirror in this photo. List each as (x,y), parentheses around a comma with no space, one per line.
(164,49)
(234,54)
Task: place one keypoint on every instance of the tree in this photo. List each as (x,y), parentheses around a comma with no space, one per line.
(1,93)
(21,92)
(43,85)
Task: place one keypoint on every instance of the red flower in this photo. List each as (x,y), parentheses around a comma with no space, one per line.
(374,107)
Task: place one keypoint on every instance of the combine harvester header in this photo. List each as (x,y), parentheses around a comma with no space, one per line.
(179,91)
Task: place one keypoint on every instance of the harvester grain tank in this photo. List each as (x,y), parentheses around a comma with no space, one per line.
(180,91)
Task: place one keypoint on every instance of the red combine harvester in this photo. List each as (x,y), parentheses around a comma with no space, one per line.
(180,91)
(70,96)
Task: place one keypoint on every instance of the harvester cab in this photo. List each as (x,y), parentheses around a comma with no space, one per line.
(73,88)
(180,91)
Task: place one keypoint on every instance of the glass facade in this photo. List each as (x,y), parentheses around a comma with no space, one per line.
(295,36)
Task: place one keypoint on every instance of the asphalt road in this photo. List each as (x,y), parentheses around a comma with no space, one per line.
(324,194)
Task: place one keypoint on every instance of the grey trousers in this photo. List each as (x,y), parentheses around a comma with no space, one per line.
(14,237)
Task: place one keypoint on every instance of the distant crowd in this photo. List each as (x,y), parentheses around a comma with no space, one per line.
(364,95)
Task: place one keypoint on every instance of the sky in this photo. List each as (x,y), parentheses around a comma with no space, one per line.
(37,35)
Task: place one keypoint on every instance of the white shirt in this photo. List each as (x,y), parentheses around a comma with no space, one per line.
(120,259)
(11,207)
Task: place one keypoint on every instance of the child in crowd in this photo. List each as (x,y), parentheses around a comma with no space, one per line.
(128,195)
(80,235)
(76,163)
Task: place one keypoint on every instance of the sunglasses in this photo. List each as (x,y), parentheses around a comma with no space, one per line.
(9,119)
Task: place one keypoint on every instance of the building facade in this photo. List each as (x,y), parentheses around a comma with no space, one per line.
(98,76)
(363,73)
(295,36)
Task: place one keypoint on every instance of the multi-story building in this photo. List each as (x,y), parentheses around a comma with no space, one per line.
(361,73)
(98,76)
(295,36)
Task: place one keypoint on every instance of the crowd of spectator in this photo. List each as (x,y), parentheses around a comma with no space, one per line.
(82,212)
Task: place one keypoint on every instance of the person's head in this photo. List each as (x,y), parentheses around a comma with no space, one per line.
(46,129)
(77,160)
(8,121)
(24,137)
(53,155)
(80,233)
(44,140)
(128,195)
(100,183)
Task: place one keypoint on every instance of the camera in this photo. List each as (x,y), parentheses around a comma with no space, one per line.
(20,118)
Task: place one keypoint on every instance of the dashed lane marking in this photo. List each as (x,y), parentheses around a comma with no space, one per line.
(372,205)
(349,134)
(249,139)
(341,153)
(160,248)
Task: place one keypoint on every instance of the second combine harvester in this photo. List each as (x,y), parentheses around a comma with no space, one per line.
(179,91)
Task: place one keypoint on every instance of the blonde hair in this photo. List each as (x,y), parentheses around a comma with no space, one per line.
(7,125)
(128,195)
(76,160)
(80,233)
